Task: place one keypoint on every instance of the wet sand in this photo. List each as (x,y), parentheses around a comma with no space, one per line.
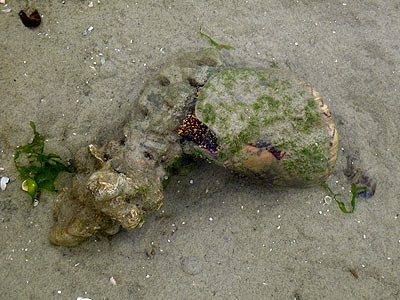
(219,236)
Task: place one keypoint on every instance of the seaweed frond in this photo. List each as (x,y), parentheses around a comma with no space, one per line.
(354,192)
(214,43)
(41,170)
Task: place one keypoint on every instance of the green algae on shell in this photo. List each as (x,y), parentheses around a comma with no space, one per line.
(269,124)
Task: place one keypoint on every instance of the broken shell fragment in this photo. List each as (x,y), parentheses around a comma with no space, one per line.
(3,183)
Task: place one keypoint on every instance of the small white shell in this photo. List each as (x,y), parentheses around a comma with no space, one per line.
(3,182)
(113,281)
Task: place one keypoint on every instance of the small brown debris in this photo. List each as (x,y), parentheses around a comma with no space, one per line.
(164,216)
(297,296)
(31,21)
(353,272)
(150,254)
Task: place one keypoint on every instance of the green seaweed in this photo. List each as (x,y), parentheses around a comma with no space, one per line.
(354,190)
(214,43)
(42,169)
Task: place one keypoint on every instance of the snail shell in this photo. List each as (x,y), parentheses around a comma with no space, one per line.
(267,123)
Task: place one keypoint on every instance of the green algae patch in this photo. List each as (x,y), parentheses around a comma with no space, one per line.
(307,161)
(209,113)
(274,105)
(250,133)
(40,170)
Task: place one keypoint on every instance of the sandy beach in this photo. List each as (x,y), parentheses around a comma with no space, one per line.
(217,236)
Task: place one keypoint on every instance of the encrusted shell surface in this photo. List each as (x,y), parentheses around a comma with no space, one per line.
(269,124)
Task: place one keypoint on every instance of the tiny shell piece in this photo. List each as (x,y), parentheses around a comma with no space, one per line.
(3,183)
(113,281)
